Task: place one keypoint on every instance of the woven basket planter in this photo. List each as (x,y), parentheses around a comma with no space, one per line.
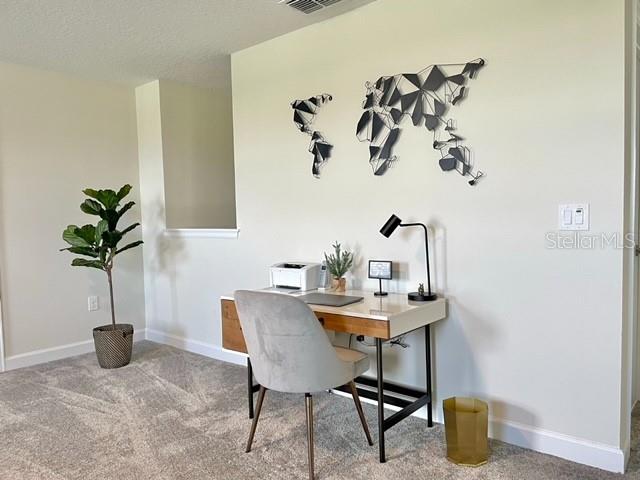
(113,346)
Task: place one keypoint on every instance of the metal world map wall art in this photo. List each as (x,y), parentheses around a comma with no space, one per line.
(304,114)
(425,97)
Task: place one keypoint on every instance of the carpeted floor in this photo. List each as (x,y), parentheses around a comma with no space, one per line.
(176,415)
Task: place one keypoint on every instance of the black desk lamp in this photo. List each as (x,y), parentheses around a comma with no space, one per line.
(388,228)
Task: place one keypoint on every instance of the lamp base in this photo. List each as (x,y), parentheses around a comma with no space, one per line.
(416,297)
(380,294)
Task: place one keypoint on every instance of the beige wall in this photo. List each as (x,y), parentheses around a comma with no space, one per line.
(197,142)
(58,135)
(523,319)
(535,331)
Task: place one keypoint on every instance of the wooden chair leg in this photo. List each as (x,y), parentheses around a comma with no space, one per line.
(356,400)
(308,401)
(256,416)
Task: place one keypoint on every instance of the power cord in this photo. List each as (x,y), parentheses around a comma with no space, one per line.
(399,341)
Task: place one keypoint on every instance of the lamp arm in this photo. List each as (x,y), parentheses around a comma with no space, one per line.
(426,249)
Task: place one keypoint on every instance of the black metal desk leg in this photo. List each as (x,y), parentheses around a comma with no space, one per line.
(427,349)
(250,387)
(380,400)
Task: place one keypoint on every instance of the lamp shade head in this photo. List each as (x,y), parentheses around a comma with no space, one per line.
(389,227)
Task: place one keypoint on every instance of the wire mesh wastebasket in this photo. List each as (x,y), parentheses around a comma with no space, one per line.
(466,427)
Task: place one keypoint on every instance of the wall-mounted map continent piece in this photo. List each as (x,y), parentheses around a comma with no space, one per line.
(304,113)
(425,98)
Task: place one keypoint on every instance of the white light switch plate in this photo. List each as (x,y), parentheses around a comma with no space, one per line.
(92,303)
(573,216)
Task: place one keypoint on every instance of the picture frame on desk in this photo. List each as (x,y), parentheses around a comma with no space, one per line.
(380,270)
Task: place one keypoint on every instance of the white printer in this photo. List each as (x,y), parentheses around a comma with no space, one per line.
(300,276)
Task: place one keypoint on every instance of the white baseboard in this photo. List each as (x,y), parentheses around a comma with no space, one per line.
(586,452)
(57,353)
(196,346)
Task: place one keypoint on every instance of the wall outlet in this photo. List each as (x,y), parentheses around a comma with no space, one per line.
(93,303)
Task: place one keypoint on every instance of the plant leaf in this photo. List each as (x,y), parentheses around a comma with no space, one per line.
(89,252)
(126,207)
(71,237)
(131,245)
(91,207)
(129,228)
(108,198)
(87,233)
(124,191)
(83,262)
(90,192)
(102,227)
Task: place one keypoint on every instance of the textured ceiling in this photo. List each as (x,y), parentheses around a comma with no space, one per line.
(136,41)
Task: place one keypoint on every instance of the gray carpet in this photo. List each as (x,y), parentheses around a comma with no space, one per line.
(175,415)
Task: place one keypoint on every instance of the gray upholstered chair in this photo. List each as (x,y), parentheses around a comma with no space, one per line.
(290,352)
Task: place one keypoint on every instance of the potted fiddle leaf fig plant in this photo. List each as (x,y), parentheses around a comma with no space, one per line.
(338,264)
(98,245)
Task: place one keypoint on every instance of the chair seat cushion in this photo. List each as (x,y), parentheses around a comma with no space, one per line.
(360,360)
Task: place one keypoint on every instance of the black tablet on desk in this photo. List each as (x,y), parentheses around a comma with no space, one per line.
(329,300)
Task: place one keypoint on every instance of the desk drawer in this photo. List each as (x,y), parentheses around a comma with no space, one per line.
(232,337)
(354,325)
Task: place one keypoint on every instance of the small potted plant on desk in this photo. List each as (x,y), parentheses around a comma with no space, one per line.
(99,243)
(338,264)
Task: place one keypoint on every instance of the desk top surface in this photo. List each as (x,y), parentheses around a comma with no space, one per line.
(390,307)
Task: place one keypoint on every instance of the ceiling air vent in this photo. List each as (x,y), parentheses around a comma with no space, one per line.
(309,6)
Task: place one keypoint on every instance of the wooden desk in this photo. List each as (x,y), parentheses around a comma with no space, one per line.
(382,318)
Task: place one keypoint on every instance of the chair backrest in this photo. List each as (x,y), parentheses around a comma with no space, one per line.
(288,348)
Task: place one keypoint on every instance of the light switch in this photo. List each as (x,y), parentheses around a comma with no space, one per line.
(92,303)
(574,216)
